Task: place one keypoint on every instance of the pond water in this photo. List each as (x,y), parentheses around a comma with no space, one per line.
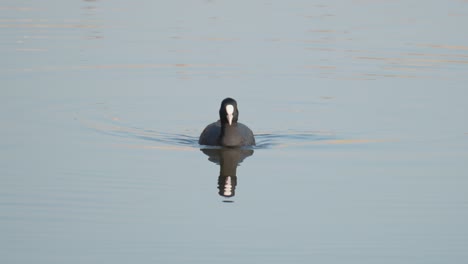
(359,110)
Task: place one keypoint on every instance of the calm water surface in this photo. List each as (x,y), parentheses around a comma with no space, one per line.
(359,109)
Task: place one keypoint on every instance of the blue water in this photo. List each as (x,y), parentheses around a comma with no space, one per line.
(358,108)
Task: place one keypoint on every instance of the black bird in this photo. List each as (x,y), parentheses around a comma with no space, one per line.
(227,132)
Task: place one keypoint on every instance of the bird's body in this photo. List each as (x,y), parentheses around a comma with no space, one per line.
(227,131)
(235,135)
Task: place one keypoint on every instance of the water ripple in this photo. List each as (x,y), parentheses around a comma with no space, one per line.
(291,138)
(180,141)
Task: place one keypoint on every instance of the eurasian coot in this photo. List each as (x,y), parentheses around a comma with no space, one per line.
(227,131)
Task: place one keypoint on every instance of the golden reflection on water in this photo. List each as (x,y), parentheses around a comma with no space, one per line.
(31,49)
(44,25)
(418,62)
(328,43)
(439,46)
(136,66)
(334,142)
(17,8)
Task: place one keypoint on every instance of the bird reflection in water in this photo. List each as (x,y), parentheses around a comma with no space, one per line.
(228,159)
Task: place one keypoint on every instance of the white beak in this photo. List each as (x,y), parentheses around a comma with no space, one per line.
(230,112)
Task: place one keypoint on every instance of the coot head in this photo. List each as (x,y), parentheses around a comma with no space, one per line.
(228,112)
(227,132)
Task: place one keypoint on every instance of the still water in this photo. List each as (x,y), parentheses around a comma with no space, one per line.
(359,110)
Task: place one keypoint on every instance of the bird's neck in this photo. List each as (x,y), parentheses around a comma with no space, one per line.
(229,135)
